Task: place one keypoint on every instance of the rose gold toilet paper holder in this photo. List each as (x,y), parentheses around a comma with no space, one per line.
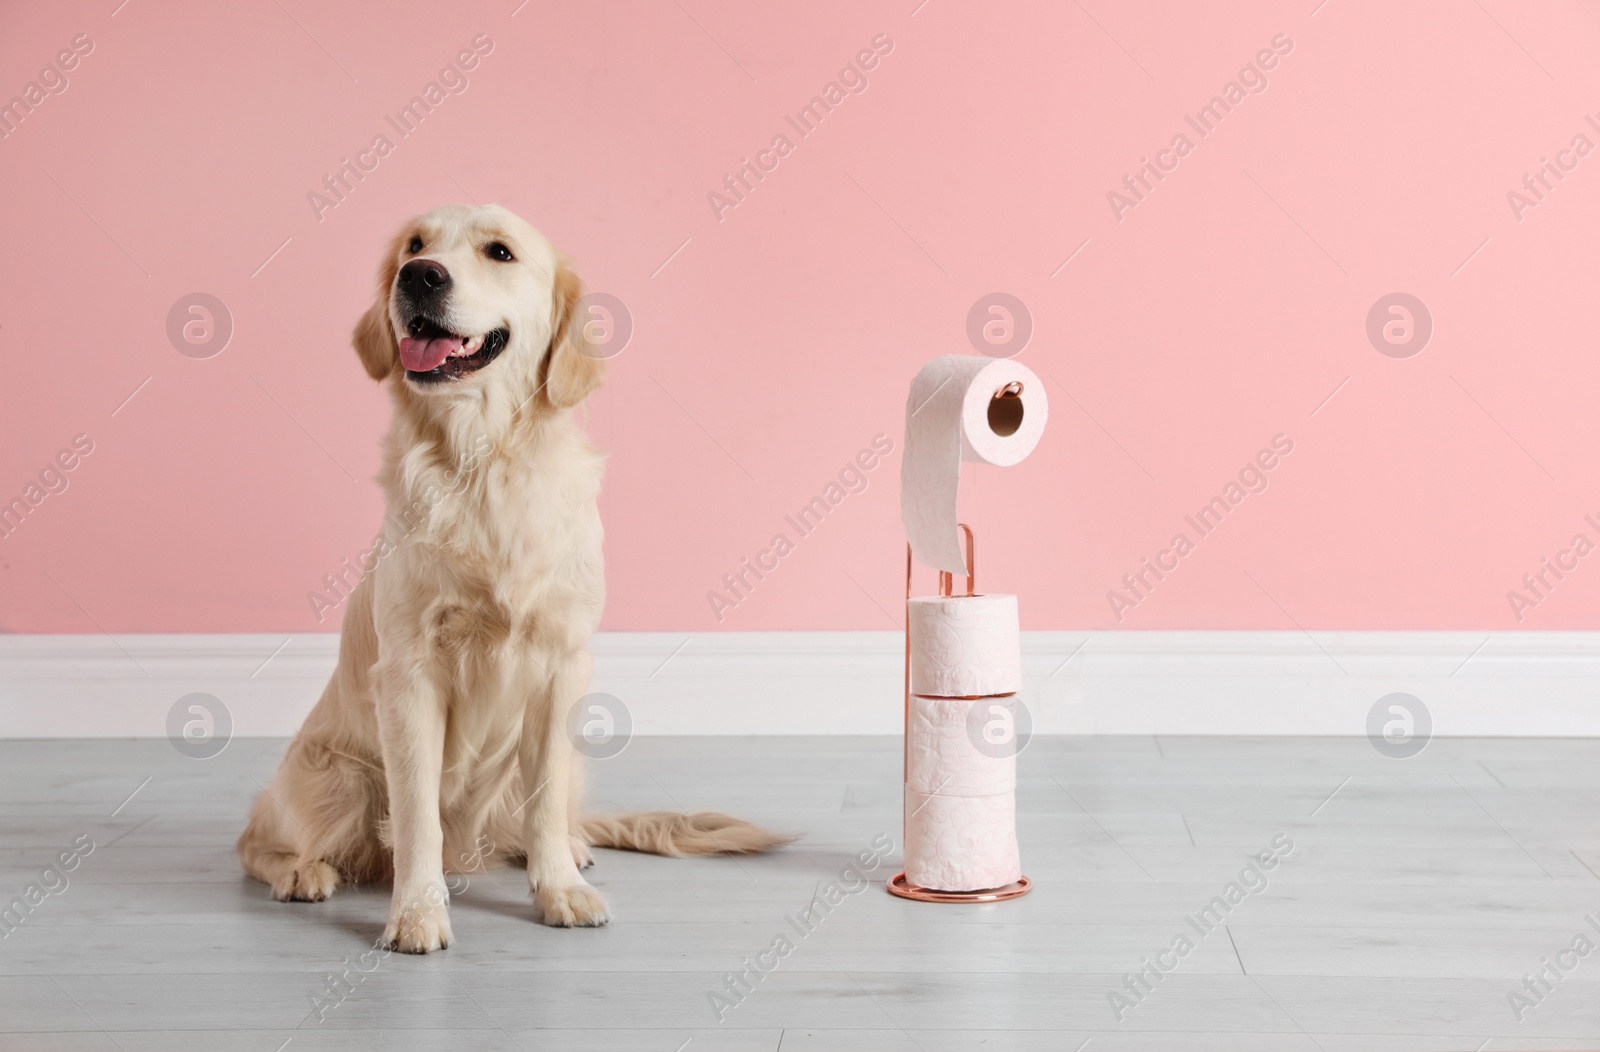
(899,885)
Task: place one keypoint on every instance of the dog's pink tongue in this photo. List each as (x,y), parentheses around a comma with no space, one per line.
(421,356)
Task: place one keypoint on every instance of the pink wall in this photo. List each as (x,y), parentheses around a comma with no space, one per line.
(1220,311)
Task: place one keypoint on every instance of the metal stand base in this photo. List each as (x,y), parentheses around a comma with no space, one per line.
(899,886)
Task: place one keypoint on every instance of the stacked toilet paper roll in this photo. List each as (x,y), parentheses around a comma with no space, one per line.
(965,646)
(961,763)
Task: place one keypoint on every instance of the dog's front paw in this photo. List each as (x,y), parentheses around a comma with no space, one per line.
(571,906)
(582,857)
(418,929)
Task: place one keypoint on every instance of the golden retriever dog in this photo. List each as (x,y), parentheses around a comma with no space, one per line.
(442,737)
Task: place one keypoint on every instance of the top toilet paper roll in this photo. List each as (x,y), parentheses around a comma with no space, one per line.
(964,646)
(957,411)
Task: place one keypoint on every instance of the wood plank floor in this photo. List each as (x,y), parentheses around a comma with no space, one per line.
(1419,893)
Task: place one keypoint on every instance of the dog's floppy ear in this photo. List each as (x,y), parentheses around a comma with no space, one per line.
(570,375)
(373,337)
(374,340)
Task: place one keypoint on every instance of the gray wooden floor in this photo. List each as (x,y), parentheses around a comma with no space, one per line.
(1418,894)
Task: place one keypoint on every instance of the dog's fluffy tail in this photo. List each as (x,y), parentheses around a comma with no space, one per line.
(675,834)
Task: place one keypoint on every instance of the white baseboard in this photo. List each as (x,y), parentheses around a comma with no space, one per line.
(1518,684)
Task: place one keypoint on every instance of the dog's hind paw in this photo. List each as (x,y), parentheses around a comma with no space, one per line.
(582,857)
(308,880)
(573,906)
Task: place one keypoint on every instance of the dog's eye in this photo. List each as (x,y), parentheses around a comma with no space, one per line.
(498,251)
(415,246)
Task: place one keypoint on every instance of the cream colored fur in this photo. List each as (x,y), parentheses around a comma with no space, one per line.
(441,741)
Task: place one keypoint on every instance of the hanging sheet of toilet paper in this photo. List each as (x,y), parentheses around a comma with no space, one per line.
(964,645)
(951,416)
(961,843)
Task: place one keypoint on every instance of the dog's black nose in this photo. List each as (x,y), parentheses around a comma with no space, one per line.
(422,278)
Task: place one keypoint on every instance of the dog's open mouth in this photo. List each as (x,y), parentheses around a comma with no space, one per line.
(432,353)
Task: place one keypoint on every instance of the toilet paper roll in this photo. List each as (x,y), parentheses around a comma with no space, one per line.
(947,753)
(961,843)
(964,646)
(960,409)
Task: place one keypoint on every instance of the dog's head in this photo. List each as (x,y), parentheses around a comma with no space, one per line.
(475,303)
